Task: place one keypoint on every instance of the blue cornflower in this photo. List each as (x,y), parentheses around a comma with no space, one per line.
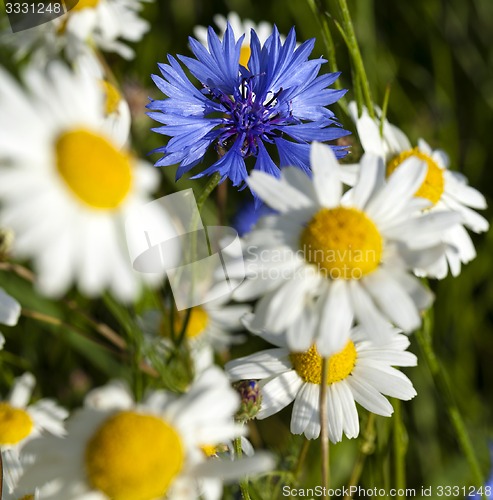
(248,214)
(278,100)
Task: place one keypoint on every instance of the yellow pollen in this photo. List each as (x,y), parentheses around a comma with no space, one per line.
(342,242)
(133,457)
(113,97)
(433,185)
(308,364)
(197,322)
(15,424)
(245,54)
(85,4)
(93,169)
(27,497)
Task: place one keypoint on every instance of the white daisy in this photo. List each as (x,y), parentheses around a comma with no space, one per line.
(118,449)
(444,188)
(103,24)
(67,184)
(240,28)
(21,422)
(328,259)
(362,372)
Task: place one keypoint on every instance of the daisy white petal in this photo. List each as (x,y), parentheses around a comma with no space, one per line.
(336,316)
(281,196)
(10,309)
(278,393)
(261,365)
(326,170)
(303,408)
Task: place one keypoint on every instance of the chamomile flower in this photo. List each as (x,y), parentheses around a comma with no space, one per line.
(361,372)
(278,101)
(116,448)
(67,194)
(21,422)
(104,24)
(212,323)
(444,188)
(211,328)
(240,27)
(327,260)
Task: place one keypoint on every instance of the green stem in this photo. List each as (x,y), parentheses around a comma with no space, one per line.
(321,16)
(204,195)
(134,341)
(208,188)
(385,106)
(442,383)
(355,54)
(324,425)
(400,449)
(301,458)
(244,482)
(367,448)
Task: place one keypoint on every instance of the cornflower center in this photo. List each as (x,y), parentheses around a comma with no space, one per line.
(133,457)
(434,183)
(342,242)
(308,365)
(15,424)
(93,169)
(249,118)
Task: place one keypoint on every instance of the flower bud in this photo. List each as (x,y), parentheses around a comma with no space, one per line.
(6,241)
(251,399)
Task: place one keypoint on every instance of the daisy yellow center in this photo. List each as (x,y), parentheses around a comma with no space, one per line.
(94,170)
(245,53)
(342,242)
(133,457)
(434,183)
(209,450)
(15,424)
(86,4)
(196,325)
(308,365)
(113,97)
